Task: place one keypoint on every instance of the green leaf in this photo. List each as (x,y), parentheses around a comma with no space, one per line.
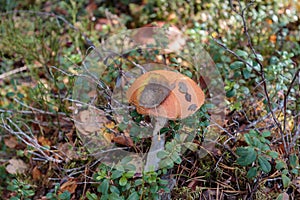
(166,163)
(248,139)
(60,86)
(295,171)
(283,196)
(174,60)
(236,65)
(252,172)
(163,182)
(293,160)
(122,126)
(123,181)
(91,196)
(266,134)
(114,189)
(176,158)
(130,167)
(273,154)
(257,143)
(133,196)
(259,56)
(247,155)
(138,182)
(103,187)
(264,164)
(191,146)
(188,73)
(116,174)
(242,53)
(162,154)
(153,188)
(285,180)
(10,94)
(280,165)
(285,171)
(230,93)
(246,73)
(66,195)
(129,174)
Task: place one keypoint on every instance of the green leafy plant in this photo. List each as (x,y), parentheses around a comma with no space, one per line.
(55,194)
(173,149)
(122,184)
(20,189)
(258,152)
(259,156)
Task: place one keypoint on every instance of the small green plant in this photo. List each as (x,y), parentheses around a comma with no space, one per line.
(259,155)
(173,151)
(258,152)
(120,183)
(55,195)
(20,189)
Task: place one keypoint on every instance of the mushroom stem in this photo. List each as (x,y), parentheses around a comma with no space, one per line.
(157,144)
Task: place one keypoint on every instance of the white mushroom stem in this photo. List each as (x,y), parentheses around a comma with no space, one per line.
(157,144)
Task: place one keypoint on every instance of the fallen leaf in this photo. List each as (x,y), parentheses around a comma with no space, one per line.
(11,142)
(69,186)
(44,141)
(123,140)
(66,150)
(110,125)
(90,121)
(108,137)
(36,173)
(16,166)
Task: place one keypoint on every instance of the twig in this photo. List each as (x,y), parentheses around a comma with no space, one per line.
(29,140)
(12,72)
(237,56)
(261,72)
(293,142)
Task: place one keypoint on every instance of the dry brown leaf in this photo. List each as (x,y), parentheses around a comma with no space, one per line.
(67,151)
(90,121)
(16,166)
(108,137)
(11,142)
(44,141)
(69,186)
(36,173)
(123,140)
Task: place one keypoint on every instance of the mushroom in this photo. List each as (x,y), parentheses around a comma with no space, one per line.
(164,95)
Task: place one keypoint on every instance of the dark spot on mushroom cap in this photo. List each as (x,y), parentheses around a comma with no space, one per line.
(182,87)
(192,107)
(172,86)
(188,97)
(153,95)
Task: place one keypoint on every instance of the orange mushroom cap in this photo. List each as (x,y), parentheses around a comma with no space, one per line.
(163,93)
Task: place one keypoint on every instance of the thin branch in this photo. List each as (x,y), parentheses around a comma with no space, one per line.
(29,140)
(261,72)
